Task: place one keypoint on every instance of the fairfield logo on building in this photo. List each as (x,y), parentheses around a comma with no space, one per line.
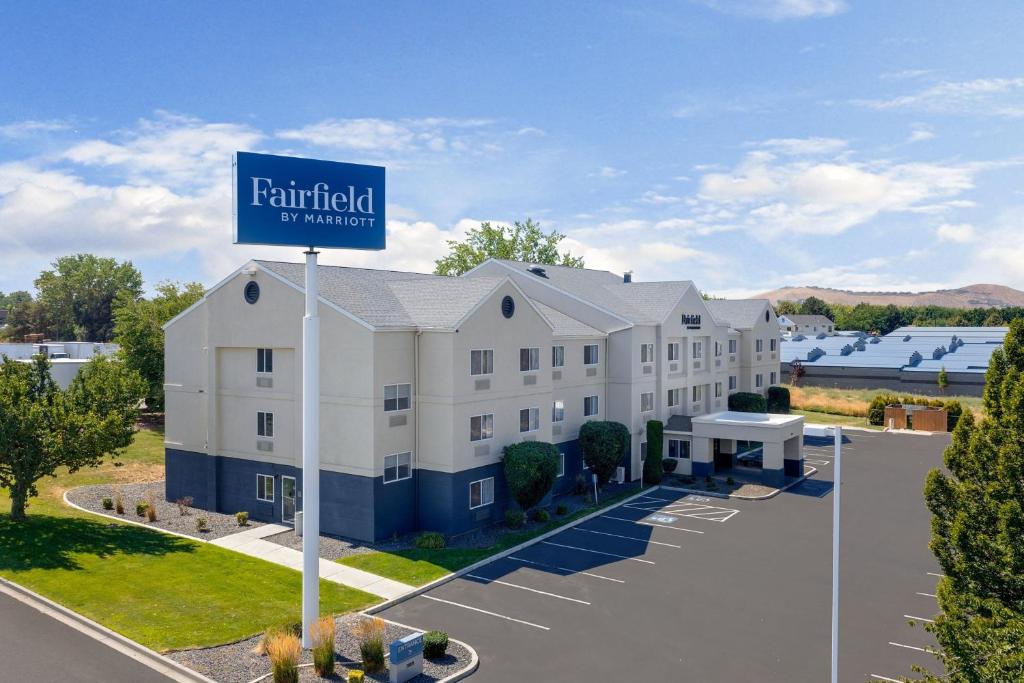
(316,205)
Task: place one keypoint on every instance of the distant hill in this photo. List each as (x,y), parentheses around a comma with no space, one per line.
(971,296)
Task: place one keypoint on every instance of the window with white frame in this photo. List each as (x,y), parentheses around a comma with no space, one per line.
(679,449)
(732,346)
(265,488)
(674,397)
(561,464)
(265,424)
(481,493)
(673,351)
(759,380)
(481,427)
(590,406)
(718,390)
(732,382)
(647,353)
(771,378)
(558,411)
(646,401)
(397,467)
(718,348)
(265,361)
(698,392)
(758,345)
(397,397)
(529,359)
(771,343)
(529,419)
(590,356)
(481,361)
(557,356)
(698,350)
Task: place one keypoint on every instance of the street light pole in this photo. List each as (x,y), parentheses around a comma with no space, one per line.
(837,432)
(310,452)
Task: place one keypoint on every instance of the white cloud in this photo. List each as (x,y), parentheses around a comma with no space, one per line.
(920,132)
(1003,97)
(610,172)
(778,10)
(381,136)
(904,75)
(803,146)
(956,232)
(655,197)
(24,129)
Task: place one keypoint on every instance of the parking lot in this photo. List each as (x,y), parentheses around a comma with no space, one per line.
(672,586)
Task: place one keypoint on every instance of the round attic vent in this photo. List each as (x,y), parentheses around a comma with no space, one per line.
(767,316)
(508,307)
(251,292)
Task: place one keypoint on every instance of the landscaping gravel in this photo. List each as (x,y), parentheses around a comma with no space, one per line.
(168,516)
(238,663)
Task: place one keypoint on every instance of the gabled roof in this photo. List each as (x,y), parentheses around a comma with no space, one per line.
(741,314)
(810,319)
(565,326)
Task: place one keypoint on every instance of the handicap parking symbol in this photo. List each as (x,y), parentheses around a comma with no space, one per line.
(663,519)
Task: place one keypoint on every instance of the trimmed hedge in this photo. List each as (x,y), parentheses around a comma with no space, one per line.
(655,443)
(604,443)
(778,400)
(435,643)
(748,402)
(531,468)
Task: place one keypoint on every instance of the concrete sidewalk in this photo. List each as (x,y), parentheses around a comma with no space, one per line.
(253,542)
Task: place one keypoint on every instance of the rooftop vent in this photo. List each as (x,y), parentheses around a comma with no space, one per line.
(846,351)
(821,335)
(538,271)
(915,358)
(874,340)
(815,353)
(798,337)
(859,345)
(939,352)
(627,277)
(907,338)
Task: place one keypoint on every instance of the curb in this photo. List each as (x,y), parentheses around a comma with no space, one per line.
(726,496)
(497,556)
(128,521)
(140,653)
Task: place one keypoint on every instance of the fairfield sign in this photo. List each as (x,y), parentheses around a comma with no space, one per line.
(307,202)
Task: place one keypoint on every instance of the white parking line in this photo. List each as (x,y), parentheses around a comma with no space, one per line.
(941,576)
(911,647)
(816,462)
(597,552)
(483,611)
(911,616)
(628,538)
(525,588)
(640,521)
(566,569)
(928,595)
(884,678)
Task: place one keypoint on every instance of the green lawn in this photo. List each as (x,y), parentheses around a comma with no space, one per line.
(418,566)
(160,590)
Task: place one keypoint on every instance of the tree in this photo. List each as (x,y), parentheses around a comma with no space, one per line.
(787,308)
(43,428)
(531,468)
(523,241)
(942,379)
(796,371)
(748,402)
(14,298)
(812,305)
(977,526)
(20,320)
(138,330)
(655,447)
(78,295)
(603,443)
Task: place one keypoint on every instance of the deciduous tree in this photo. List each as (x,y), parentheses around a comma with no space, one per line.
(523,241)
(603,443)
(78,295)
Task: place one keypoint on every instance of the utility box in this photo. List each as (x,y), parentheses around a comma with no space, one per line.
(406,658)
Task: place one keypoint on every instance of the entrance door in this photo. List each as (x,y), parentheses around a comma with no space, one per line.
(288,500)
(723,461)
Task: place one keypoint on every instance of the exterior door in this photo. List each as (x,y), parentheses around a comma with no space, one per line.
(288,500)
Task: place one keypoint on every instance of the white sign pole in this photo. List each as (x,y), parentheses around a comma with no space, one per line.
(310,452)
(836,487)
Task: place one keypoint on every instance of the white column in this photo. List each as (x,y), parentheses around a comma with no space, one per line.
(310,452)
(836,485)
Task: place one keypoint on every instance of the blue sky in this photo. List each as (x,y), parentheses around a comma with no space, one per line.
(743,144)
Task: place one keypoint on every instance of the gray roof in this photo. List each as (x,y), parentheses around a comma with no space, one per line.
(679,423)
(644,303)
(800,319)
(389,299)
(565,326)
(741,314)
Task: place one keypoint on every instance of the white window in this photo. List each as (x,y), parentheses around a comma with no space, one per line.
(265,488)
(397,397)
(759,380)
(698,392)
(732,382)
(590,354)
(771,378)
(732,346)
(590,406)
(529,419)
(529,360)
(481,427)
(647,353)
(397,467)
(758,345)
(561,464)
(647,402)
(771,343)
(558,411)
(674,397)
(698,350)
(677,448)
(265,425)
(718,348)
(673,351)
(481,361)
(557,356)
(718,390)
(265,361)
(481,493)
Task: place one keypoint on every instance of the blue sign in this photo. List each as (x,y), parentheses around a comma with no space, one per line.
(308,202)
(406,648)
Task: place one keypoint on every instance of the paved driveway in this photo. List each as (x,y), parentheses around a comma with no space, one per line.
(682,587)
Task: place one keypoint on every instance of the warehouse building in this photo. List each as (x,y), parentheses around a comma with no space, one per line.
(425,379)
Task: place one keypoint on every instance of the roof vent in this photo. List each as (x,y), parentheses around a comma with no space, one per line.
(907,338)
(821,335)
(538,271)
(859,345)
(915,358)
(627,277)
(939,352)
(798,337)
(846,351)
(874,340)
(815,353)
